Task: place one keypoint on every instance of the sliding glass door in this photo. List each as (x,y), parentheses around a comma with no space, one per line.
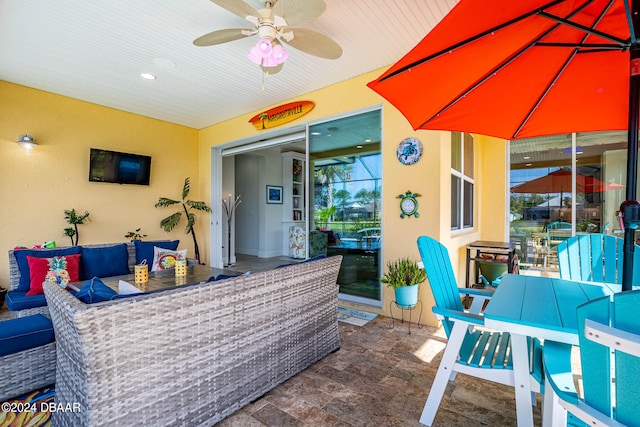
(345,173)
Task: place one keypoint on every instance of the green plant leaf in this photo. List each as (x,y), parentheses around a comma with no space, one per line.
(72,217)
(163,202)
(191,220)
(170,222)
(201,206)
(403,272)
(186,188)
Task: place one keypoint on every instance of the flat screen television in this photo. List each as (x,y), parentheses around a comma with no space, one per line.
(121,168)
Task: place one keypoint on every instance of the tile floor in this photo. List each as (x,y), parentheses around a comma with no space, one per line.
(254,264)
(379,377)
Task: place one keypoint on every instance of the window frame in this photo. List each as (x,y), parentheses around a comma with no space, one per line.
(460,192)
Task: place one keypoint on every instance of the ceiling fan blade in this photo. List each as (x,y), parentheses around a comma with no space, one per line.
(222,36)
(272,70)
(237,7)
(312,42)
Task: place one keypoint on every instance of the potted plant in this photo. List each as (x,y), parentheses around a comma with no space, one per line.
(404,276)
(74,219)
(135,235)
(172,220)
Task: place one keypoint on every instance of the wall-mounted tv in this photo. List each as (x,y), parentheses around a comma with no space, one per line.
(121,168)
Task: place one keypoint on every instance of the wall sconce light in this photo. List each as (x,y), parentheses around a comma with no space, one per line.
(27,142)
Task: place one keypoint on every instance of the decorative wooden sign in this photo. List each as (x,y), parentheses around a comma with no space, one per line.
(282,114)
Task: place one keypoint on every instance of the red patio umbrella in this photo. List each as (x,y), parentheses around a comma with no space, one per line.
(560,182)
(516,69)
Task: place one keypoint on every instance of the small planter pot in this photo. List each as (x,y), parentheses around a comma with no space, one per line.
(407,296)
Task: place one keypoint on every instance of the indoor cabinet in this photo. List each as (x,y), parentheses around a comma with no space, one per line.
(293,194)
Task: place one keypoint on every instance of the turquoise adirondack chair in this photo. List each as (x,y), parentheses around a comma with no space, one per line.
(610,360)
(595,258)
(481,353)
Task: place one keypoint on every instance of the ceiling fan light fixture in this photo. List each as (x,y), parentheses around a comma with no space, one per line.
(255,56)
(268,53)
(265,47)
(270,62)
(279,54)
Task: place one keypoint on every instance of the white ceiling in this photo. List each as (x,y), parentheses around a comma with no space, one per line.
(95,50)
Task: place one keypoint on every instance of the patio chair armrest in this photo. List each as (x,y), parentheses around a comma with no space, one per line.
(476,293)
(556,358)
(458,315)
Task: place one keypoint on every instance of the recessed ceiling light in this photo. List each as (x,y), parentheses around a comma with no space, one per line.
(316,133)
(148,76)
(359,147)
(526,157)
(528,164)
(367,140)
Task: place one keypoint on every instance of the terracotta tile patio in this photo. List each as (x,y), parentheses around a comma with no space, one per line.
(380,377)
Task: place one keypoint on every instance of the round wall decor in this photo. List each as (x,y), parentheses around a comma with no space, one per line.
(409,151)
(408,204)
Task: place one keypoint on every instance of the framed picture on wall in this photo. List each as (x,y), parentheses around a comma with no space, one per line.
(274,194)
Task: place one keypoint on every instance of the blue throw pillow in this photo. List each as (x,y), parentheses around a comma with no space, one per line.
(23,265)
(95,290)
(104,261)
(144,250)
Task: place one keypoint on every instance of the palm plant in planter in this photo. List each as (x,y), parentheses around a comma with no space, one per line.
(404,276)
(172,220)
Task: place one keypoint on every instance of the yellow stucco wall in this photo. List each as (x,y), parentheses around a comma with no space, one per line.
(54,177)
(430,177)
(38,187)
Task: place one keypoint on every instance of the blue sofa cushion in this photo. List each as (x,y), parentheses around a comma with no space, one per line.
(23,264)
(24,333)
(144,250)
(95,290)
(104,261)
(18,300)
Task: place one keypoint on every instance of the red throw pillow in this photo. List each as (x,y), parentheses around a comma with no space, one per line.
(59,269)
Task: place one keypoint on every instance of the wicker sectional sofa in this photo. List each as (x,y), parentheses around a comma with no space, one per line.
(21,305)
(192,355)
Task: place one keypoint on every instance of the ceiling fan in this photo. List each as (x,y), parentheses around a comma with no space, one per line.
(273,21)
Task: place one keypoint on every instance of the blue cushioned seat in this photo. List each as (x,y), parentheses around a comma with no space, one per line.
(144,250)
(24,333)
(104,261)
(18,300)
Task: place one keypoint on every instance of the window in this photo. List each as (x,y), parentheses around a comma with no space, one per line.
(548,205)
(461,181)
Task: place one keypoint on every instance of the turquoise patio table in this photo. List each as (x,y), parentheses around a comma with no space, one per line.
(539,307)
